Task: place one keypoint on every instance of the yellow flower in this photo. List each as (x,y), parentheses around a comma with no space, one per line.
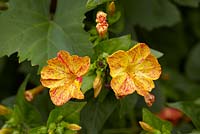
(134,70)
(63,76)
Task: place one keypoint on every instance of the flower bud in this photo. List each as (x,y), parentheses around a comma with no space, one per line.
(101,17)
(30,94)
(146,126)
(111,8)
(102,25)
(149,99)
(97,85)
(73,127)
(6,131)
(4,110)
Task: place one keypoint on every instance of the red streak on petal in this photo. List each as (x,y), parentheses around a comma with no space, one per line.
(60,58)
(79,79)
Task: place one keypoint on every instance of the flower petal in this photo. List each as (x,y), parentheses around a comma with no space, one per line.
(60,95)
(143,85)
(53,83)
(118,62)
(149,68)
(138,53)
(55,70)
(52,72)
(122,85)
(75,90)
(77,65)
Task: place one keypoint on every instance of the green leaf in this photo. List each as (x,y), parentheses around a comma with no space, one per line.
(38,130)
(195,132)
(69,112)
(193,64)
(95,113)
(114,44)
(93,3)
(151,13)
(189,3)
(127,104)
(163,126)
(156,53)
(24,112)
(191,109)
(88,81)
(28,28)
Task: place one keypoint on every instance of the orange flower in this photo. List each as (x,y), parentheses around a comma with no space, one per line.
(134,70)
(63,76)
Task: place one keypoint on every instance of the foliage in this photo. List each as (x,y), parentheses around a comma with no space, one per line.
(33,32)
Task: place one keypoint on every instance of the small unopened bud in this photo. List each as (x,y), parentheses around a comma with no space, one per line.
(111,8)
(6,131)
(102,29)
(97,85)
(30,94)
(73,127)
(102,25)
(4,110)
(171,114)
(146,126)
(149,99)
(101,17)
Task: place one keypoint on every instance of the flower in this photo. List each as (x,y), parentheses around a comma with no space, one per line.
(63,75)
(102,25)
(134,70)
(31,93)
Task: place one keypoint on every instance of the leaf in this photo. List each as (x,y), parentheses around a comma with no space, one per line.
(88,81)
(191,109)
(127,104)
(151,14)
(26,28)
(164,126)
(38,130)
(95,113)
(193,64)
(114,44)
(69,112)
(156,53)
(177,86)
(93,3)
(24,112)
(189,3)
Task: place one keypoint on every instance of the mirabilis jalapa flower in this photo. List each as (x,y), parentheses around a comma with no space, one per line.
(63,75)
(134,70)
